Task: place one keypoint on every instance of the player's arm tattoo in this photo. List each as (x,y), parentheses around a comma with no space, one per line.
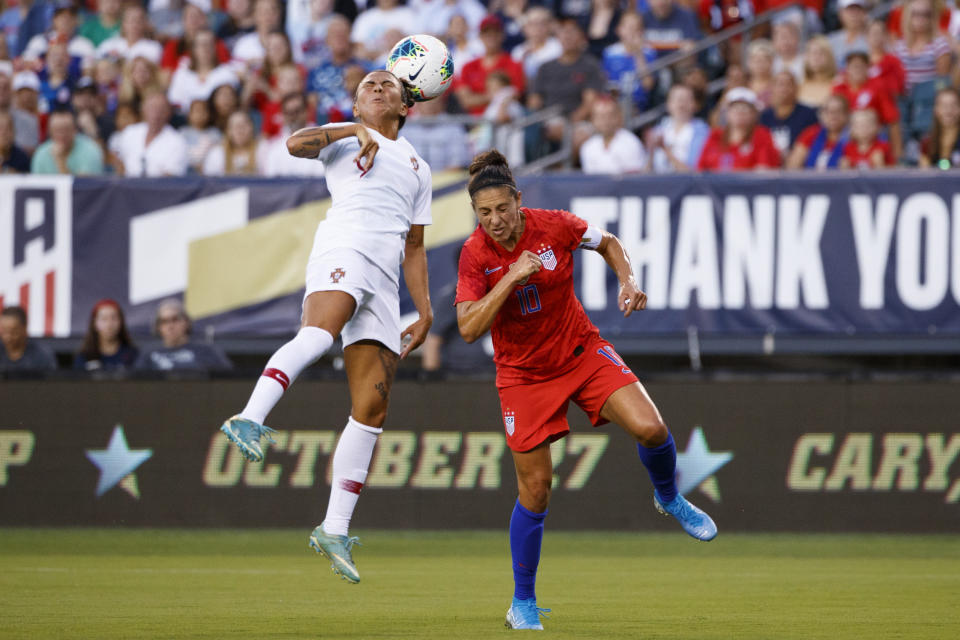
(307,143)
(389,360)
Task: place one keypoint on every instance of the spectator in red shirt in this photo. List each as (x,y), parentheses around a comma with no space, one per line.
(941,148)
(821,145)
(177,50)
(864,149)
(470,87)
(895,18)
(884,66)
(742,143)
(863,93)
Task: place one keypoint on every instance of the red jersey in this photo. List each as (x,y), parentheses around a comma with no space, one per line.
(474,76)
(864,159)
(538,329)
(173,56)
(890,72)
(759,151)
(872,95)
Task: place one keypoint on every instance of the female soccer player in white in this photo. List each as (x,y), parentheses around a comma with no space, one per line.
(374,226)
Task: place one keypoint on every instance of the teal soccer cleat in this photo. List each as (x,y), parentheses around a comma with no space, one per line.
(693,520)
(525,614)
(337,550)
(246,435)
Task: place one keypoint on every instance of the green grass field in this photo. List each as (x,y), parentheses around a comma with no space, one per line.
(86,583)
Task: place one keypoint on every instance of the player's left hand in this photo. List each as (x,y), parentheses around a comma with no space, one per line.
(630,298)
(414,335)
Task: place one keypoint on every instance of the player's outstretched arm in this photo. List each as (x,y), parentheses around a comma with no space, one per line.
(307,142)
(630,298)
(415,275)
(475,317)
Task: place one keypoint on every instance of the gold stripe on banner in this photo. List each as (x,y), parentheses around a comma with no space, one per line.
(266,258)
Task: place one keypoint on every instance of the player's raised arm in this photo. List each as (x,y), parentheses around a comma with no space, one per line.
(307,142)
(629,298)
(475,317)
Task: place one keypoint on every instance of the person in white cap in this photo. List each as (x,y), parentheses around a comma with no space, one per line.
(26,110)
(742,144)
(853,35)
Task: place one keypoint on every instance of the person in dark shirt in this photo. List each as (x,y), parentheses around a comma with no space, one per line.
(19,354)
(107,345)
(13,159)
(178,352)
(785,117)
(669,27)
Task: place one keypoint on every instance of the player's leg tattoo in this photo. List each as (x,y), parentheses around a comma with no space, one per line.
(389,361)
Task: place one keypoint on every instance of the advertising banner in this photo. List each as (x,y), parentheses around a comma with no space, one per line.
(758,456)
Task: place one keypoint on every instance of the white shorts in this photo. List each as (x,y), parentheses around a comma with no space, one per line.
(378,300)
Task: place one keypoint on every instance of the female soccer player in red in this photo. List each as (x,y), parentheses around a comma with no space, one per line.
(516,280)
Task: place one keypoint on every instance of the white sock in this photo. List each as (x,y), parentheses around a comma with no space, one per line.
(351,461)
(283,368)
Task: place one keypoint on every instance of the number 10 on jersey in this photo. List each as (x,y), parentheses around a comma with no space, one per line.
(529,299)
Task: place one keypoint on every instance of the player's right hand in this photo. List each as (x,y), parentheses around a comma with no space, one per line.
(368,148)
(526,265)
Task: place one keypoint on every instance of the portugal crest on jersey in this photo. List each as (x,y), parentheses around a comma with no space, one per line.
(548,258)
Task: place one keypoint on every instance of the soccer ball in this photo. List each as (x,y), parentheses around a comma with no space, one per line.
(424,63)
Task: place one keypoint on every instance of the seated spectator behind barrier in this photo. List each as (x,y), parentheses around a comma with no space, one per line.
(306,23)
(941,146)
(626,60)
(853,35)
(885,67)
(819,72)
(924,52)
(134,32)
(443,143)
(670,27)
(504,107)
(18,353)
(601,25)
(200,73)
(238,23)
(433,16)
(63,31)
(287,79)
(67,151)
(371,26)
(107,345)
(863,93)
(742,143)
(90,107)
(821,145)
(464,45)
(27,119)
(199,134)
(760,56)
(786,46)
(785,117)
(152,148)
(470,86)
(240,153)
(326,86)
(612,150)
(13,159)
(251,48)
(278,161)
(178,352)
(539,45)
(57,78)
(894,23)
(140,76)
(224,102)
(103,24)
(864,150)
(180,50)
(676,142)
(124,116)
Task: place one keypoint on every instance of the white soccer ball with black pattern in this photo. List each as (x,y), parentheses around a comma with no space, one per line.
(424,63)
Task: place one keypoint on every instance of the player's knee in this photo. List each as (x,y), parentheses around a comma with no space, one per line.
(651,433)
(535,490)
(370,416)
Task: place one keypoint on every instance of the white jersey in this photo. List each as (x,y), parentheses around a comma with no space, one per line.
(372,210)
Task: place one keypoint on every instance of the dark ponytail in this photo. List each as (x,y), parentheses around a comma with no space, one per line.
(490,169)
(407,96)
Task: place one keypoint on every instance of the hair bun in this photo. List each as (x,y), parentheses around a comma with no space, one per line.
(491,158)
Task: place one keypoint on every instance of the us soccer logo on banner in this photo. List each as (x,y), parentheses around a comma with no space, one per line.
(547,257)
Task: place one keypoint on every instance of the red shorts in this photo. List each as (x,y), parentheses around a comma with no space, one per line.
(537,412)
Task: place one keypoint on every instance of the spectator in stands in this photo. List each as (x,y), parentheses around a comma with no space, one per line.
(572,81)
(461,42)
(103,24)
(601,25)
(200,74)
(224,102)
(106,77)
(152,148)
(199,134)
(124,116)
(134,32)
(277,160)
(735,78)
(925,53)
(107,345)
(251,49)
(819,72)
(512,14)
(853,35)
(239,22)
(433,16)
(178,352)
(625,61)
(13,159)
(67,151)
(717,15)
(821,145)
(941,147)
(676,142)
(141,75)
(884,66)
(180,50)
(441,142)
(760,56)
(57,78)
(90,108)
(307,22)
(864,149)
(240,152)
(26,110)
(863,93)
(895,18)
(786,47)
(612,150)
(371,27)
(785,117)
(669,27)
(19,352)
(326,88)
(63,31)
(11,16)
(742,144)
(278,76)
(470,87)
(697,81)
(6,84)
(503,108)
(539,45)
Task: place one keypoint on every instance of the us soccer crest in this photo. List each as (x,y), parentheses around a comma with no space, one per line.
(547,257)
(509,421)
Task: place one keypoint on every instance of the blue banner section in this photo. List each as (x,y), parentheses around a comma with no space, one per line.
(840,254)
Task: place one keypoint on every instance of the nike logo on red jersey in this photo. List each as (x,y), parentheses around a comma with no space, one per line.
(489,271)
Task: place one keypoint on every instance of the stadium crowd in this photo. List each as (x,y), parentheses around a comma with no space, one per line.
(213,87)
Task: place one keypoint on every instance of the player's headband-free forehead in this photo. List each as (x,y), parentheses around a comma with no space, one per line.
(493,181)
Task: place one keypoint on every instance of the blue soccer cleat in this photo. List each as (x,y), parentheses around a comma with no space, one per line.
(337,550)
(693,520)
(525,614)
(246,435)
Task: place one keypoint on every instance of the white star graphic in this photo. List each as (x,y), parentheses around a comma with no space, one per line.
(117,463)
(697,464)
